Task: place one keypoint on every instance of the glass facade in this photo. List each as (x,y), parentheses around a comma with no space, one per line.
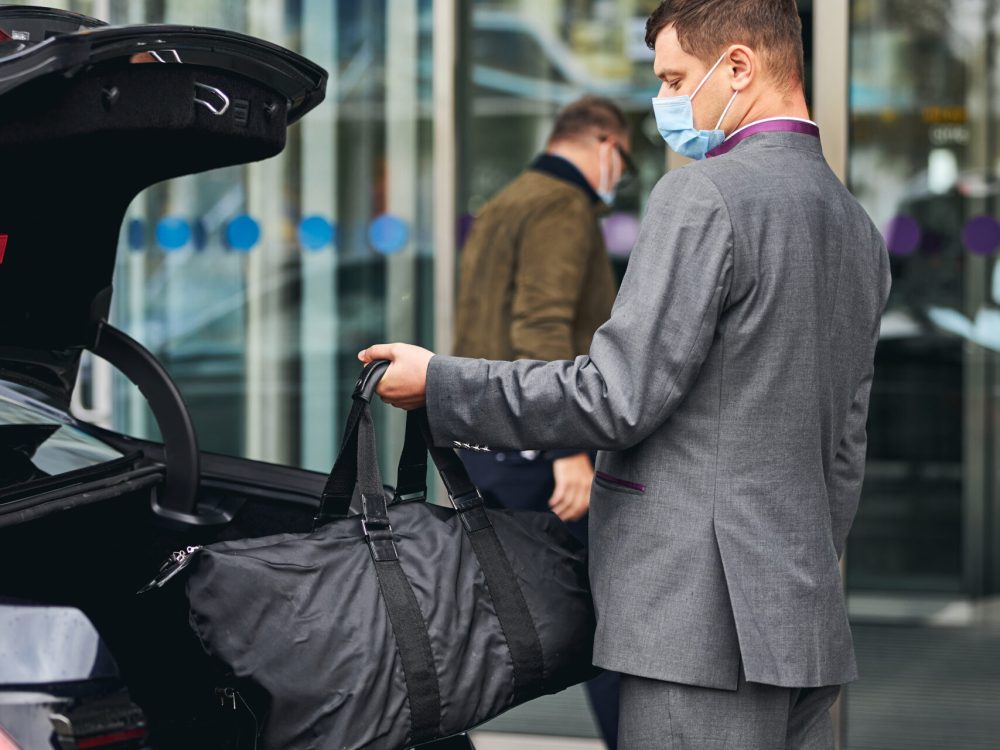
(923,162)
(257,285)
(923,561)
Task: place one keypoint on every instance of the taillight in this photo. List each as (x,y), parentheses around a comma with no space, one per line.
(109,740)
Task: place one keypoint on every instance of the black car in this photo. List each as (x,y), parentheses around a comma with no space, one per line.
(90,115)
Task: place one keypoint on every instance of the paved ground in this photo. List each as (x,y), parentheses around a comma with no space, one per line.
(495,741)
(922,688)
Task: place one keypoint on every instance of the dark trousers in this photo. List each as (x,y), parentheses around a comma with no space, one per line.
(508,480)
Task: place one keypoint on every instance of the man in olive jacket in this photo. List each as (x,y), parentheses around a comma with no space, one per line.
(536,283)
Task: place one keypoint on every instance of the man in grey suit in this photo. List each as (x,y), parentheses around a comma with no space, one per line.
(728,395)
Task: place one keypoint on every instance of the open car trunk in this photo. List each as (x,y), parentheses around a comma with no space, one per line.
(89,116)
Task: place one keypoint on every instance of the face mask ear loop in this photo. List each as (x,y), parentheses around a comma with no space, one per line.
(603,172)
(726,110)
(708,75)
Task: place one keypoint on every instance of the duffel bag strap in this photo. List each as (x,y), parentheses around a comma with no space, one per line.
(335,502)
(408,625)
(411,482)
(511,607)
(411,475)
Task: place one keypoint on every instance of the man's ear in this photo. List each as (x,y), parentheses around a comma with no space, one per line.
(742,66)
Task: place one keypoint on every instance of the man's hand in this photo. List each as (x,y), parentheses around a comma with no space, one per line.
(573,475)
(404,384)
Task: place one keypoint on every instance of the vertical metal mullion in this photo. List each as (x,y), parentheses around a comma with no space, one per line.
(989,563)
(831,52)
(268,352)
(402,122)
(831,74)
(445,41)
(319,325)
(977,370)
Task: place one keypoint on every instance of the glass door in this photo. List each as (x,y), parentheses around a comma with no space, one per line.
(257,285)
(923,556)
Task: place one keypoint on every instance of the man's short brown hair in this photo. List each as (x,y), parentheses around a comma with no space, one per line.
(587,115)
(771,28)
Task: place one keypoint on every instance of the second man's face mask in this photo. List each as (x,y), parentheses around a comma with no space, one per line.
(675,121)
(610,174)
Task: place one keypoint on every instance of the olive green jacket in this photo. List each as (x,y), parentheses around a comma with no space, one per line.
(536,280)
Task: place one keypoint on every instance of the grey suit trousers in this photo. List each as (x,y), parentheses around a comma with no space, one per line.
(657,715)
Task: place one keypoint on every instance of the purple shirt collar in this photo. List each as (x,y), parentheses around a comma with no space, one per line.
(768,126)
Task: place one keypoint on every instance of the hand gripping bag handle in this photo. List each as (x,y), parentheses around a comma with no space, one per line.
(336,499)
(335,502)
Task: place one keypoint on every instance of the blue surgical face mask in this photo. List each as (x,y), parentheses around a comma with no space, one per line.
(675,121)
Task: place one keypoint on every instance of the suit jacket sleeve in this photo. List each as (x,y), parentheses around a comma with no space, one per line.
(551,261)
(848,471)
(641,363)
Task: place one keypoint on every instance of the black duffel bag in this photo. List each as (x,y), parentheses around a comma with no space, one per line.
(403,624)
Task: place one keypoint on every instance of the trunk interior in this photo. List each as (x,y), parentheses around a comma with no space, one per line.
(96,557)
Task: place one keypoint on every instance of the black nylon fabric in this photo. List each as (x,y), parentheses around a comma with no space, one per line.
(302,617)
(512,610)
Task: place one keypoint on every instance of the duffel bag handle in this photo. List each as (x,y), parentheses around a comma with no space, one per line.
(335,502)
(369,379)
(411,481)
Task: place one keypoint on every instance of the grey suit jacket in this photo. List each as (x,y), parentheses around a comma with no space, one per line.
(728,394)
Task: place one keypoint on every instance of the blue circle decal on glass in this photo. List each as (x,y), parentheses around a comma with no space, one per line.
(136,235)
(981,235)
(902,235)
(315,233)
(242,233)
(172,233)
(388,234)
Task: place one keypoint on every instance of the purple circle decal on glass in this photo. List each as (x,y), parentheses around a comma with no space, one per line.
(465,222)
(620,232)
(902,235)
(981,235)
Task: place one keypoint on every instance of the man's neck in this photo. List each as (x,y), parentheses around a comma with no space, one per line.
(767,108)
(574,155)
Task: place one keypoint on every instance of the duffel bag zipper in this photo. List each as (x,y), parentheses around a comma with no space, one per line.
(172,566)
(230,697)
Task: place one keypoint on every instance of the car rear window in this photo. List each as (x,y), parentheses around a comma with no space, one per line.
(37,441)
